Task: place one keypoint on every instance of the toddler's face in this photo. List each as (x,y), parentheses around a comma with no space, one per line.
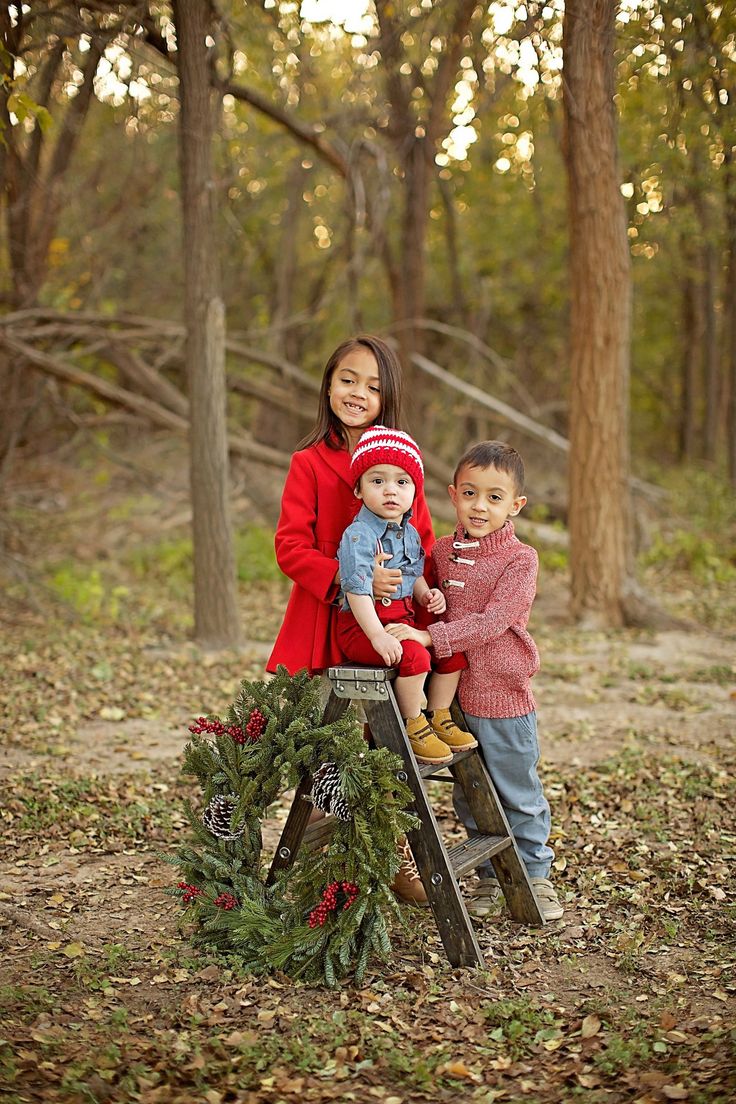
(386,490)
(484,499)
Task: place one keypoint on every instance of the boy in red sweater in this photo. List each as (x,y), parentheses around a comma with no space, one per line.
(489,578)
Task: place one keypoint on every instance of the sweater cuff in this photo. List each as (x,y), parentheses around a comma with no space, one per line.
(440,639)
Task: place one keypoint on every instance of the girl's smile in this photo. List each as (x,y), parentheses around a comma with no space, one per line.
(355,393)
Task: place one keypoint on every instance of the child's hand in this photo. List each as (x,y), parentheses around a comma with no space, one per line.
(408,632)
(387,647)
(386,580)
(435,600)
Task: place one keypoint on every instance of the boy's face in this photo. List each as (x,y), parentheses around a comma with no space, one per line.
(386,490)
(484,498)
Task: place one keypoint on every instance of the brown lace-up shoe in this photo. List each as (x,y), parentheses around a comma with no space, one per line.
(444,727)
(407,885)
(427,747)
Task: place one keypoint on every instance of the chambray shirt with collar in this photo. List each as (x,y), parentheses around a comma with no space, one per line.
(358,548)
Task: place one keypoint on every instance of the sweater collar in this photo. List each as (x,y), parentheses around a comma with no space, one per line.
(484,546)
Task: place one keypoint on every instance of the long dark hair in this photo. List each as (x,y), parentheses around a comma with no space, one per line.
(329,428)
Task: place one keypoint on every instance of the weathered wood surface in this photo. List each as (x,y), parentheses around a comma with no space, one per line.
(438,866)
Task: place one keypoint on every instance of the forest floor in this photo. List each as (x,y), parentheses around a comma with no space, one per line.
(630,997)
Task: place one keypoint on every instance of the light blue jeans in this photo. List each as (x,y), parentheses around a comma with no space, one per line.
(510,750)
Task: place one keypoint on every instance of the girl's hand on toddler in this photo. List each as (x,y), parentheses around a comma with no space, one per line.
(386,580)
(407,632)
(435,600)
(387,647)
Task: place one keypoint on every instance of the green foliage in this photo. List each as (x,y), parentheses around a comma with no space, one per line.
(254,555)
(171,560)
(269,927)
(88,594)
(699,536)
(694,553)
(23,107)
(554,560)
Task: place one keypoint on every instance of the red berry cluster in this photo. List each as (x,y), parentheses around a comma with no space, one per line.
(255,726)
(329,903)
(226,901)
(217,728)
(189,892)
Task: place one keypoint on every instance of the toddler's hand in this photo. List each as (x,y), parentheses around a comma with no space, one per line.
(435,600)
(387,647)
(408,632)
(386,580)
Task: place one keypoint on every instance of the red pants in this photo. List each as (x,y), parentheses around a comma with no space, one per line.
(357,647)
(446,666)
(415,659)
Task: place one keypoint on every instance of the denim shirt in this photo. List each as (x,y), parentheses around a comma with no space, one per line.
(358,549)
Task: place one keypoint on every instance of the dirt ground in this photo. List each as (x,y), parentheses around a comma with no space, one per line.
(630,997)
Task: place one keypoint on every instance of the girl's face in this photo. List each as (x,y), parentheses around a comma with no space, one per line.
(355,390)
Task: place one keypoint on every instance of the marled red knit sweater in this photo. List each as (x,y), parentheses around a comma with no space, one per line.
(487,617)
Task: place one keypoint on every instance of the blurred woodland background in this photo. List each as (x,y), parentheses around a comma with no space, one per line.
(553,250)
(198,201)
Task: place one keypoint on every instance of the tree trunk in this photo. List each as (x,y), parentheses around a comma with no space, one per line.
(215,595)
(710,355)
(414,136)
(729,327)
(600,320)
(692,359)
(456,310)
(271,424)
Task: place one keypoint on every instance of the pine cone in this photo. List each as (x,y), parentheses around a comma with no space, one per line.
(327,792)
(218,814)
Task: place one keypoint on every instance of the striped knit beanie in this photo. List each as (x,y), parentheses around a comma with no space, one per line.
(379,445)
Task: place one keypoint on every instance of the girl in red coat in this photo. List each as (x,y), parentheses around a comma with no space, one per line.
(361,386)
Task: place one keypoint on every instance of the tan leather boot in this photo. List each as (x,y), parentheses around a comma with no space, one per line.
(427,747)
(444,727)
(407,885)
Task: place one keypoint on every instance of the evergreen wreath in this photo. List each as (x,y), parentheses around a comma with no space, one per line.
(324,917)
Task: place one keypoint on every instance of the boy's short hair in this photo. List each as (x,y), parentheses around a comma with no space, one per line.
(494,454)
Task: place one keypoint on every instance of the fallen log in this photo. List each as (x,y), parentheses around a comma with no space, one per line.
(154,412)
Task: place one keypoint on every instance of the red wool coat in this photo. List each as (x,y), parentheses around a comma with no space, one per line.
(317,505)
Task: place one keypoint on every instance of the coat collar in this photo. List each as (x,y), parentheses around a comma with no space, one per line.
(338,459)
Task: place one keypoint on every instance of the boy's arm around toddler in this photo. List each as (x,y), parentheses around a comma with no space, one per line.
(485,611)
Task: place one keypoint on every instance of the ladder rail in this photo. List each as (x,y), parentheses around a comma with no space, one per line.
(440,867)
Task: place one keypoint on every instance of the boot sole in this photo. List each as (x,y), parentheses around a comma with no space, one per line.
(432,762)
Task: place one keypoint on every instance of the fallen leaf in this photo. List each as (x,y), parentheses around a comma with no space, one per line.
(675,1092)
(590,1026)
(112,713)
(73,950)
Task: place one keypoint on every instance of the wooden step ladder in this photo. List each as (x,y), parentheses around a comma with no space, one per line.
(440,867)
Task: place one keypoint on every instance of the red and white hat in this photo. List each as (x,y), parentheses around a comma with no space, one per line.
(379,445)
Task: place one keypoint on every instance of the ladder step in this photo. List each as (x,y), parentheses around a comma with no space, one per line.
(318,834)
(429,770)
(470,853)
